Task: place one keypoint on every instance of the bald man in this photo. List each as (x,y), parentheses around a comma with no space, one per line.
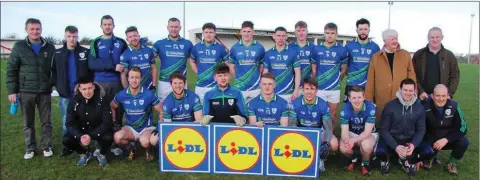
(446,127)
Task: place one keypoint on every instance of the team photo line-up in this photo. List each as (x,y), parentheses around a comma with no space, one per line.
(396,107)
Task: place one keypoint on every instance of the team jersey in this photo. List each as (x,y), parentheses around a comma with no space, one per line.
(282,64)
(268,112)
(356,120)
(207,57)
(304,55)
(328,61)
(142,58)
(247,61)
(138,108)
(181,110)
(310,115)
(223,104)
(108,48)
(173,56)
(358,60)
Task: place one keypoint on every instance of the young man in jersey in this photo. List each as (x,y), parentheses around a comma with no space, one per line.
(224,104)
(138,103)
(329,64)
(138,55)
(267,108)
(304,49)
(245,62)
(283,62)
(173,52)
(311,111)
(205,56)
(181,105)
(357,120)
(104,61)
(359,53)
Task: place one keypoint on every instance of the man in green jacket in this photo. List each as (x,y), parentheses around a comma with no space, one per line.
(29,80)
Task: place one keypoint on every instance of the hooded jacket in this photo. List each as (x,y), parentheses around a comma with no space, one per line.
(402,122)
(92,117)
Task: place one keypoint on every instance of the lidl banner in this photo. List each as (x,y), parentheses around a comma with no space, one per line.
(229,149)
(238,150)
(184,147)
(292,152)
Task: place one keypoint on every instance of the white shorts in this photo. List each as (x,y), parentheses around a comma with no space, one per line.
(288,98)
(137,134)
(352,135)
(201,91)
(163,90)
(329,96)
(249,95)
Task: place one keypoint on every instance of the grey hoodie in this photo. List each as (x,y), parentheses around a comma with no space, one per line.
(405,104)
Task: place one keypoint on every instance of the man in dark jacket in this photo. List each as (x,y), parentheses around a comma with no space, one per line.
(69,63)
(434,65)
(446,127)
(402,128)
(88,118)
(29,76)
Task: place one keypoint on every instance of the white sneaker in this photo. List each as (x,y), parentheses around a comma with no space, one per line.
(47,152)
(321,166)
(28,155)
(117,151)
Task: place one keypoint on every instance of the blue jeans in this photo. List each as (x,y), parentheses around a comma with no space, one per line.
(63,107)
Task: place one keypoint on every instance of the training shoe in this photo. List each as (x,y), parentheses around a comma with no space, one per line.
(321,165)
(96,152)
(366,170)
(84,159)
(29,155)
(436,160)
(47,152)
(428,164)
(350,165)
(410,169)
(131,152)
(66,152)
(102,160)
(384,167)
(117,151)
(452,169)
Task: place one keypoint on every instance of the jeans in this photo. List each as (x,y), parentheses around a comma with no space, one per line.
(63,108)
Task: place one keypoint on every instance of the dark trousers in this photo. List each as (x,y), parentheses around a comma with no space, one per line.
(420,153)
(43,101)
(458,147)
(111,89)
(105,141)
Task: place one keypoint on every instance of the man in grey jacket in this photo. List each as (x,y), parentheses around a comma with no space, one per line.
(402,128)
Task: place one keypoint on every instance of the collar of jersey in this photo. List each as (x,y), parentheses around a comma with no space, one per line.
(241,42)
(203,42)
(184,95)
(274,98)
(133,49)
(179,38)
(296,43)
(323,44)
(362,109)
(357,41)
(284,49)
(218,88)
(139,92)
(305,102)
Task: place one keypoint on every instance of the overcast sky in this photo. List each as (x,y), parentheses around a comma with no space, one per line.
(412,20)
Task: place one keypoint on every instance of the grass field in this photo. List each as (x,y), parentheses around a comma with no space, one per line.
(13,166)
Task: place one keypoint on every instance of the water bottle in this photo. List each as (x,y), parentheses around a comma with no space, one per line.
(14,106)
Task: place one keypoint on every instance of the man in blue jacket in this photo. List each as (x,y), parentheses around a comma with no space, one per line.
(69,63)
(401,130)
(446,127)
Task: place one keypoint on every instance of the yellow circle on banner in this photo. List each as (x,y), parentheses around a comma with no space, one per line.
(185,148)
(238,150)
(292,153)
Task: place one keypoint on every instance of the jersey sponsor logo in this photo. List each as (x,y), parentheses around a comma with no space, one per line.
(279,66)
(174,109)
(320,53)
(126,102)
(207,60)
(175,54)
(355,50)
(186,106)
(239,53)
(272,57)
(215,103)
(168,45)
(260,110)
(292,153)
(141,101)
(274,110)
(185,148)
(247,62)
(238,154)
(230,101)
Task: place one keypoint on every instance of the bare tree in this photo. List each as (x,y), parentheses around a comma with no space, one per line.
(85,41)
(10,36)
(51,39)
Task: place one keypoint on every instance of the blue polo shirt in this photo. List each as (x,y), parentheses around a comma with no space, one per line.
(356,120)
(138,108)
(304,55)
(36,48)
(329,61)
(142,58)
(282,64)
(173,56)
(268,112)
(310,115)
(359,56)
(181,110)
(207,57)
(247,61)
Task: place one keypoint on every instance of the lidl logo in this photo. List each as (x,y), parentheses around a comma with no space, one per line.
(292,153)
(185,148)
(238,150)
